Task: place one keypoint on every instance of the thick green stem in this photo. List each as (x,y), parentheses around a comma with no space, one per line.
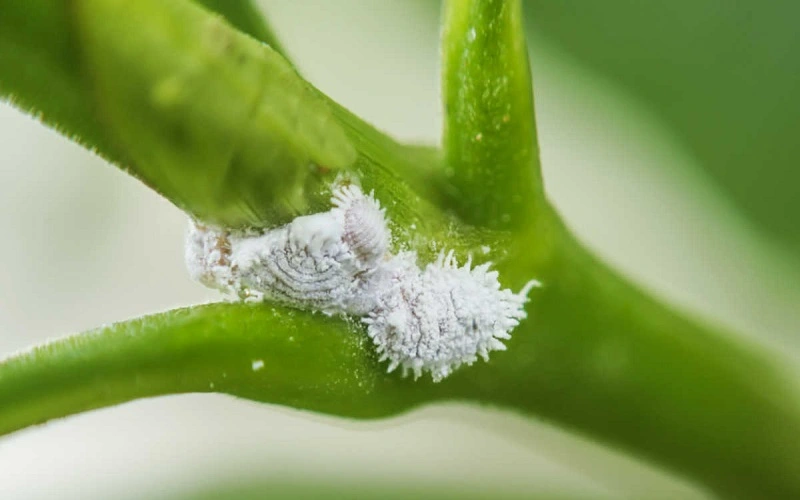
(595,355)
(613,363)
(490,143)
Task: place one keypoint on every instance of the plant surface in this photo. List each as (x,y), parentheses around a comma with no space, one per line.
(204,108)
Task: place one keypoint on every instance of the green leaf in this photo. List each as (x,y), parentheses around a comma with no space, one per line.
(489,136)
(245,16)
(184,138)
(40,72)
(214,120)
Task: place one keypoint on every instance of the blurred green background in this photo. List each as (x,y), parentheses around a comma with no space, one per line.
(669,142)
(724,76)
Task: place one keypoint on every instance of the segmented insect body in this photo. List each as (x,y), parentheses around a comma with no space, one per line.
(365,229)
(338,262)
(443,317)
(317,262)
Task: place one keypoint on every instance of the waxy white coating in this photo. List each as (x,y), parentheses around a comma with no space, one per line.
(338,262)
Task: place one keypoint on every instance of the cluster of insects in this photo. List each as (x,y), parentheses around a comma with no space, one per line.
(432,319)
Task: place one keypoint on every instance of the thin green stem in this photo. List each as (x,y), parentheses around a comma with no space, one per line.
(215,348)
(490,143)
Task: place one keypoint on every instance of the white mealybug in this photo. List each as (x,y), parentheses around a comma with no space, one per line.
(338,262)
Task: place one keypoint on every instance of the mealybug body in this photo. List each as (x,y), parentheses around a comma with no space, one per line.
(338,262)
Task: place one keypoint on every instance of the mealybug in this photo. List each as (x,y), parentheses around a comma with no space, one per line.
(338,262)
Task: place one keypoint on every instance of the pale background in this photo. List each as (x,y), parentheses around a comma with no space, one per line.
(84,244)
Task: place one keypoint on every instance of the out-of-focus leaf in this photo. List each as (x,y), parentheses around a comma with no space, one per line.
(216,121)
(246,17)
(220,124)
(40,72)
(725,75)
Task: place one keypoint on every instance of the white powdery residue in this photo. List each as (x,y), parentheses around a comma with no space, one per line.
(338,262)
(257,364)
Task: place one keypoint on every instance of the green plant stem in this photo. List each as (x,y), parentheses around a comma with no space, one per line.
(490,145)
(200,349)
(596,355)
(611,362)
